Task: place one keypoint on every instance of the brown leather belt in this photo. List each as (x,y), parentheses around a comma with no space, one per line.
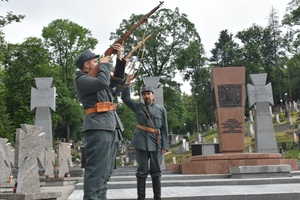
(148,129)
(101,107)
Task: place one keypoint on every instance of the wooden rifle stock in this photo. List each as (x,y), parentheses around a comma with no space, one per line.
(122,39)
(137,47)
(95,70)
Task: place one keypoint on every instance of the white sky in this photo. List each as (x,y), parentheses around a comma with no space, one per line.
(103,17)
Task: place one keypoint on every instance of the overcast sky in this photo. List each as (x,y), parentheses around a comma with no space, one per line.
(103,17)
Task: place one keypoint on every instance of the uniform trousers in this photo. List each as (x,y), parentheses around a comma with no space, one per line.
(111,166)
(148,163)
(99,147)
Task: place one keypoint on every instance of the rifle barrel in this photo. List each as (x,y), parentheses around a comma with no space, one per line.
(121,40)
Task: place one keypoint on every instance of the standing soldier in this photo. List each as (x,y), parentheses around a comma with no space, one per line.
(101,120)
(150,138)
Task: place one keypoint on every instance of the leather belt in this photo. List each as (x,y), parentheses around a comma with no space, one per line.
(101,107)
(148,129)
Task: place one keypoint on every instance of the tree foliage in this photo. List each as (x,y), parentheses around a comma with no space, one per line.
(174,46)
(27,61)
(64,40)
(226,51)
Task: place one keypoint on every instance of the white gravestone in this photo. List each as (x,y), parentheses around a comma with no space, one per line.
(5,167)
(64,158)
(31,152)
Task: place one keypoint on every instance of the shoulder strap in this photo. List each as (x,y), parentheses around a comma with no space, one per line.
(149,117)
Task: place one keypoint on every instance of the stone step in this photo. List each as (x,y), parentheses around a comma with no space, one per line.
(243,192)
(184,181)
(201,186)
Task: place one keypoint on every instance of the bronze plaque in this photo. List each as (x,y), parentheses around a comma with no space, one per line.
(230,95)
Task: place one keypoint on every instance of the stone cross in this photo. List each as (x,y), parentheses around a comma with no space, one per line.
(5,167)
(31,152)
(260,96)
(64,158)
(49,160)
(41,99)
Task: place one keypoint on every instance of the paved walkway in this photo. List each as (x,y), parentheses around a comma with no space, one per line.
(194,187)
(271,191)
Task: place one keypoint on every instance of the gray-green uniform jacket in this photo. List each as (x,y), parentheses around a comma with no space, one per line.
(146,140)
(92,90)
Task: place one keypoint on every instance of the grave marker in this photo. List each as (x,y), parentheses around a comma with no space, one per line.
(260,95)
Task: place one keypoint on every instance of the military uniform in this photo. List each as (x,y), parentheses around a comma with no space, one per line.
(147,148)
(98,127)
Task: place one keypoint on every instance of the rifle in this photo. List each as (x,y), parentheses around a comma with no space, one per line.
(137,47)
(95,70)
(122,39)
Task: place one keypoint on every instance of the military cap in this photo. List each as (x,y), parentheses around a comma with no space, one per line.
(85,56)
(147,89)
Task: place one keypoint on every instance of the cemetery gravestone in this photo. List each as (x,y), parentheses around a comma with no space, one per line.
(64,158)
(260,95)
(49,161)
(31,150)
(42,99)
(5,167)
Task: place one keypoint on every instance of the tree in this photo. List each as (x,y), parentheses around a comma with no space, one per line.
(165,52)
(262,54)
(174,46)
(27,61)
(291,22)
(9,18)
(226,51)
(6,128)
(65,40)
(272,53)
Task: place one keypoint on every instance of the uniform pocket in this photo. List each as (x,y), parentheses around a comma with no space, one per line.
(157,121)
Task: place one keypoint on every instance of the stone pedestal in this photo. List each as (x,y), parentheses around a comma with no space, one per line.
(221,163)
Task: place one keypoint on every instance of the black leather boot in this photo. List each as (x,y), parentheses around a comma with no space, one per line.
(141,187)
(156,185)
